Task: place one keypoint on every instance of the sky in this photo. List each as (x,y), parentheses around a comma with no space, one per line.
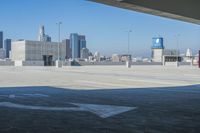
(105,27)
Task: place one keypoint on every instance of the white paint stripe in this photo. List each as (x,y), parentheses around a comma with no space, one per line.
(153,81)
(101,84)
(193,76)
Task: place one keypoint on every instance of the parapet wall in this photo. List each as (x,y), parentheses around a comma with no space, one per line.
(6,63)
(82,63)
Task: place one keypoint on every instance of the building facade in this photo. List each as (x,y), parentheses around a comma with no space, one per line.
(7,47)
(37,51)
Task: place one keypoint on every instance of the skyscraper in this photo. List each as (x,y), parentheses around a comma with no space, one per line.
(1,39)
(42,36)
(77,42)
(7,47)
(82,41)
(41,33)
(74,43)
(68,48)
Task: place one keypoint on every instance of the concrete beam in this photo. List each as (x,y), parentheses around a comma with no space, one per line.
(184,10)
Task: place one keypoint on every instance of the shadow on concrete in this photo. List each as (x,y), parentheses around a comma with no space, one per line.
(162,110)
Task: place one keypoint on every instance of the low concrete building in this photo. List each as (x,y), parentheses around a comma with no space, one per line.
(171,57)
(157,55)
(116,58)
(26,52)
(126,57)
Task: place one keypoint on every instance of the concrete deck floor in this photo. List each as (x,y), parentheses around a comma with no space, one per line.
(99,77)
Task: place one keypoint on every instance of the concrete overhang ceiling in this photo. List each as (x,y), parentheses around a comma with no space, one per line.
(184,10)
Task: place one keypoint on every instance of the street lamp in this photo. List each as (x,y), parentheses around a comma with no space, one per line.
(129,31)
(59,23)
(177,45)
(128,63)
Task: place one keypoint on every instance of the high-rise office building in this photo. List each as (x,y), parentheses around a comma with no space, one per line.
(1,39)
(42,36)
(82,43)
(41,33)
(74,45)
(7,47)
(77,42)
(68,48)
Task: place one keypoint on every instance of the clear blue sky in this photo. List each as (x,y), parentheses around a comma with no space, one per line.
(104,26)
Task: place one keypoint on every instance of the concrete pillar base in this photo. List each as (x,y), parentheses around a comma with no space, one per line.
(58,64)
(128,64)
(177,64)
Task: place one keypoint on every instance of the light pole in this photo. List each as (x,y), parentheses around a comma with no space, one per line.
(177,45)
(128,62)
(59,23)
(129,31)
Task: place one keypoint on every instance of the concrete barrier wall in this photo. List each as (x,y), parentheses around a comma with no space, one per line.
(33,63)
(82,63)
(6,63)
(185,63)
(146,63)
(170,63)
(179,64)
(28,63)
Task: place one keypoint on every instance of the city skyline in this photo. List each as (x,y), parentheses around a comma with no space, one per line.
(105,27)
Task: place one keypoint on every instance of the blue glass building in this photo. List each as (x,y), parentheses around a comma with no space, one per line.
(74,44)
(7,47)
(82,44)
(77,42)
(157,43)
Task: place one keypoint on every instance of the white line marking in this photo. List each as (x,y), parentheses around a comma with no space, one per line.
(36,95)
(151,81)
(100,84)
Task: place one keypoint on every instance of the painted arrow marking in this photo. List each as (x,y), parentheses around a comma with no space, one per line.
(103,111)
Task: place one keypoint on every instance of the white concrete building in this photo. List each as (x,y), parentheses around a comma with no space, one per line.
(157,55)
(26,52)
(97,56)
